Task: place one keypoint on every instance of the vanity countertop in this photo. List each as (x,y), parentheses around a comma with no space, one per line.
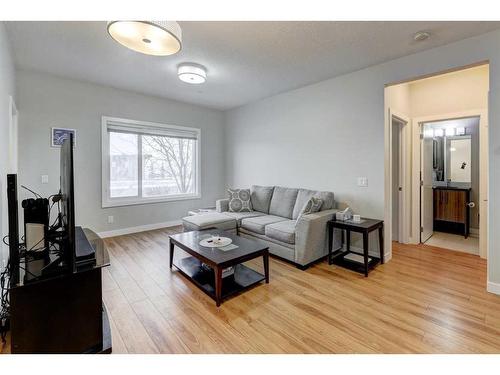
(444,187)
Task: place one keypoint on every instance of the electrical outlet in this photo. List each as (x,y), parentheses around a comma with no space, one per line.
(111,219)
(362,181)
(45,178)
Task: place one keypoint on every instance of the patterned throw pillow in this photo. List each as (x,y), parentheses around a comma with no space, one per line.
(239,200)
(311,206)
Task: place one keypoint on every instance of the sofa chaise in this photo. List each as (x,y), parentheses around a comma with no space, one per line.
(275,220)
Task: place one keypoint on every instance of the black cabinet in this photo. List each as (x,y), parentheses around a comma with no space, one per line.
(63,313)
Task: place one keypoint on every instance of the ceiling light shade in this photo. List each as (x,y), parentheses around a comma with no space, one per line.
(192,73)
(157,38)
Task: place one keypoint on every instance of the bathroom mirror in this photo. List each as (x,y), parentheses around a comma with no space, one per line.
(459,158)
(452,158)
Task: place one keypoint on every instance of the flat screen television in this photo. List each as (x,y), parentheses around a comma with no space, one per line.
(68,201)
(75,250)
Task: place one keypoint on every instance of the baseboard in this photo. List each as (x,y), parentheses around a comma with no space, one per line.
(140,228)
(493,287)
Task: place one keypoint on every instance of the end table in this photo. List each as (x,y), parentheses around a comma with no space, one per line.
(366,226)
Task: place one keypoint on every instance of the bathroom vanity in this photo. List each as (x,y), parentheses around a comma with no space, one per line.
(452,209)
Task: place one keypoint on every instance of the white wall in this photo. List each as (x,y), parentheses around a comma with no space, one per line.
(398,99)
(325,135)
(44,101)
(450,93)
(7,89)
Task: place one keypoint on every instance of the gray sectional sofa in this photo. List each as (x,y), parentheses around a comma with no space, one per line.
(274,221)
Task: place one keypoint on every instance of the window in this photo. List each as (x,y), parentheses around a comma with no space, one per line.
(145,162)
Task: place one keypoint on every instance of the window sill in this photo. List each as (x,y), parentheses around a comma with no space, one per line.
(136,202)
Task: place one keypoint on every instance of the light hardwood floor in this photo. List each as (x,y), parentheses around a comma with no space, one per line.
(425,300)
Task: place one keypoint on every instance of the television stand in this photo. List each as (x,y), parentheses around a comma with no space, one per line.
(62,313)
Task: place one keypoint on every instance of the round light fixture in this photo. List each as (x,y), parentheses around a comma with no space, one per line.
(157,38)
(420,36)
(192,73)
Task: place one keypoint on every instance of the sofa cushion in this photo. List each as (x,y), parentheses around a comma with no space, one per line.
(239,200)
(312,205)
(283,231)
(238,216)
(261,197)
(216,220)
(258,224)
(283,202)
(305,194)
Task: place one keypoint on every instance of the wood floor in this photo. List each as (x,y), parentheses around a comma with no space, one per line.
(425,300)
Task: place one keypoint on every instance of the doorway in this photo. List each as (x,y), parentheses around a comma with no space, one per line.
(449,186)
(451,96)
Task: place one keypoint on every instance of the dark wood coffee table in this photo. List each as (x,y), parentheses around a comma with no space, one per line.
(209,279)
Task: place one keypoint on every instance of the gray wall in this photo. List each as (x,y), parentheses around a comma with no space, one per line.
(7,88)
(325,135)
(45,101)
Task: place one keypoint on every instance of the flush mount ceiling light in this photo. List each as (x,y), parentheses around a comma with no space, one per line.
(157,38)
(192,73)
(420,36)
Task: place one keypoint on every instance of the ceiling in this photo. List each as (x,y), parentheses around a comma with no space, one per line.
(246,61)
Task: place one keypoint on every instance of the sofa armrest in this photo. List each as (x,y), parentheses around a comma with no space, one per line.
(222,205)
(311,236)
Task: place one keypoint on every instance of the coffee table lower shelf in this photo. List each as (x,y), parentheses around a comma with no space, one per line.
(243,277)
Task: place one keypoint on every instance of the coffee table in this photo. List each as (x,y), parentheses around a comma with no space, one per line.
(209,279)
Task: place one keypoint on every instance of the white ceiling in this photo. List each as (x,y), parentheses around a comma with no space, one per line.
(246,61)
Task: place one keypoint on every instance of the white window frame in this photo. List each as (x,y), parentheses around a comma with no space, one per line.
(107,201)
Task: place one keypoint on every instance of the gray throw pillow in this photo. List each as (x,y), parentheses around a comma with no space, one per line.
(312,205)
(239,200)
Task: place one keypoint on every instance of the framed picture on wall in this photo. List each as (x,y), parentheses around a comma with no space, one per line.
(58,135)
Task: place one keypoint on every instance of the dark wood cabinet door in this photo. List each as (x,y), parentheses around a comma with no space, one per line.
(439,204)
(450,205)
(456,206)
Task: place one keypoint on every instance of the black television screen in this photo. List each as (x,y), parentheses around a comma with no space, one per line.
(68,201)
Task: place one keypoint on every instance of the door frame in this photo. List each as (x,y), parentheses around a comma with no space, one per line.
(404,177)
(483,171)
(406,180)
(421,190)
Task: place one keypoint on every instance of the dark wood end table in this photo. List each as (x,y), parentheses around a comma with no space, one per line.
(365,227)
(210,280)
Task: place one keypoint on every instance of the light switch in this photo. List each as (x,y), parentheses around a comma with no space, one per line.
(362,181)
(45,178)
(111,219)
